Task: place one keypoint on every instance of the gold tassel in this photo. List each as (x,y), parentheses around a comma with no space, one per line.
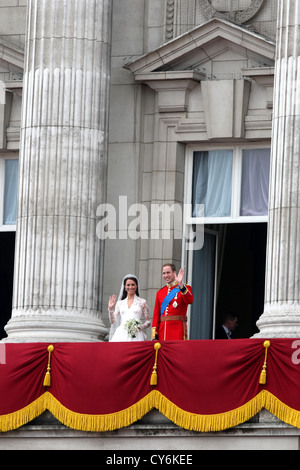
(153,380)
(263,375)
(47,379)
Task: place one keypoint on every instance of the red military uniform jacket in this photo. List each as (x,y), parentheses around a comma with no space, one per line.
(165,327)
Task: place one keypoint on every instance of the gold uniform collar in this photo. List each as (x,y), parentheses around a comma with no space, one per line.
(172,284)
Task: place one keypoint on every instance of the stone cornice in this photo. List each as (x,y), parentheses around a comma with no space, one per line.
(263,76)
(172,88)
(11,57)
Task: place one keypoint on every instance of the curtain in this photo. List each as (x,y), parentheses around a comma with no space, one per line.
(255,182)
(203,289)
(212,180)
(10,192)
(202,386)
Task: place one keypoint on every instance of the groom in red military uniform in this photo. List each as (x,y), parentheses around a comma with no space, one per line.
(169,316)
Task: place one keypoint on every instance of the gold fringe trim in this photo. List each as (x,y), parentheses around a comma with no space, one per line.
(232,418)
(213,422)
(14,420)
(105,422)
(280,410)
(123,418)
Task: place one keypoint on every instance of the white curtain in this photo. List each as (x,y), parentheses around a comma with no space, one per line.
(203,289)
(212,179)
(255,182)
(10,192)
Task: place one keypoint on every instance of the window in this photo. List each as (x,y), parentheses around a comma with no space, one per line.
(255,182)
(9,168)
(212,182)
(231,184)
(226,196)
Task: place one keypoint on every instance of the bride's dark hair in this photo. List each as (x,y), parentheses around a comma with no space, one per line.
(132,278)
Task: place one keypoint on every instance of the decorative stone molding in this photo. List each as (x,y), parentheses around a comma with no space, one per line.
(216,29)
(226,104)
(170,9)
(239,17)
(172,88)
(11,58)
(10,132)
(263,76)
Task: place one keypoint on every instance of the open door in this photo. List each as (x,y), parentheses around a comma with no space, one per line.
(228,274)
(203,309)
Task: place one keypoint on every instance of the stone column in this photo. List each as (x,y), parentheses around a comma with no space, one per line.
(281,317)
(58,260)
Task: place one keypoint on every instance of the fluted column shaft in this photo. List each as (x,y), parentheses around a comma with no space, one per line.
(58,262)
(281,317)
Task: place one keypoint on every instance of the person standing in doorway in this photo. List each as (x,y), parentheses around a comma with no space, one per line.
(229,324)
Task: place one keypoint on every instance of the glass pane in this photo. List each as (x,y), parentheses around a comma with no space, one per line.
(212,180)
(255,182)
(10,192)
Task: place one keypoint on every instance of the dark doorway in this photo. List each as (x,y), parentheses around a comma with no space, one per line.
(229,275)
(241,275)
(7,252)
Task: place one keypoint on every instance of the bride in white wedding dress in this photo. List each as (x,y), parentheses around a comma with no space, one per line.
(126,315)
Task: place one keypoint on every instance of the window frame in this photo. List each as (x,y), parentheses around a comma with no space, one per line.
(191,222)
(235,216)
(3,158)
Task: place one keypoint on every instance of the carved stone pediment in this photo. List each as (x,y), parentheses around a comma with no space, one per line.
(189,50)
(213,55)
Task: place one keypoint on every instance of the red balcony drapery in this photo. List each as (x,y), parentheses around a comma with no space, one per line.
(201,385)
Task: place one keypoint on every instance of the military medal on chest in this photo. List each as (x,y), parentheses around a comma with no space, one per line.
(174,294)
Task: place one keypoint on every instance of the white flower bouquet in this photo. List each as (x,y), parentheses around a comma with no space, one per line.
(132,327)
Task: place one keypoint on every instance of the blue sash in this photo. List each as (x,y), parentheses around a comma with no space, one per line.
(168,299)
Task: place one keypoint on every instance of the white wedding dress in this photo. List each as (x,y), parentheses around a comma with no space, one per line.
(122,313)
